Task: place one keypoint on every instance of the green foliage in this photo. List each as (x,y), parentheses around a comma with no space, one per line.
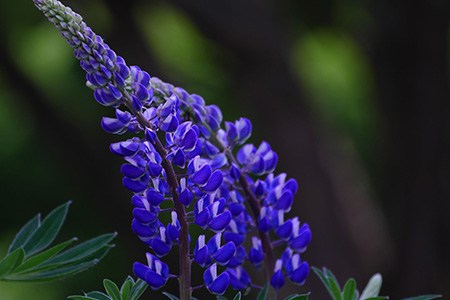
(372,288)
(28,258)
(330,282)
(262,295)
(130,290)
(298,297)
(173,297)
(170,296)
(424,297)
(350,292)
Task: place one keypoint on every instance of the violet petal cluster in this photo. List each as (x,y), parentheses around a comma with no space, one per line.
(186,162)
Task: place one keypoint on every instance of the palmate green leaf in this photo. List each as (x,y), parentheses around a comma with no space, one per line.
(262,295)
(238,296)
(424,297)
(130,290)
(82,298)
(53,274)
(331,277)
(349,291)
(29,260)
(82,250)
(47,231)
(40,258)
(170,296)
(98,296)
(372,288)
(125,289)
(138,289)
(91,296)
(25,233)
(10,262)
(112,289)
(330,282)
(45,272)
(298,297)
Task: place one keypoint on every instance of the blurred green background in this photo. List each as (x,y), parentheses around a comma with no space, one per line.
(353,95)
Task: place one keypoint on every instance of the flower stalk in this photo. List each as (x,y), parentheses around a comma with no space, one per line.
(229,196)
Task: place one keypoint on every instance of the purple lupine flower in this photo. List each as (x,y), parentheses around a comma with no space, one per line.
(201,252)
(216,284)
(182,158)
(297,270)
(239,278)
(155,273)
(277,280)
(256,254)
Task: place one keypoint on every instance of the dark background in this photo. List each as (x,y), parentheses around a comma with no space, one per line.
(353,95)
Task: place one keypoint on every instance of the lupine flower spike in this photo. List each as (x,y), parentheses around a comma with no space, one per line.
(182,156)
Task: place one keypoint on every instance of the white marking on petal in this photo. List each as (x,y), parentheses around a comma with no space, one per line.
(256,243)
(218,237)
(278,265)
(174,218)
(239,272)
(146,204)
(201,241)
(162,233)
(295,226)
(215,208)
(213,271)
(263,212)
(295,261)
(233,196)
(158,267)
(200,205)
(280,217)
(233,226)
(196,163)
(278,191)
(149,259)
(155,182)
(183,184)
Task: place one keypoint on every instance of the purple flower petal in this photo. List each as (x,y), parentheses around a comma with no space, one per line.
(186,197)
(135,186)
(113,126)
(131,171)
(179,159)
(160,247)
(299,275)
(155,280)
(277,280)
(202,175)
(219,222)
(144,216)
(154,197)
(143,231)
(189,139)
(224,253)
(214,181)
(285,201)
